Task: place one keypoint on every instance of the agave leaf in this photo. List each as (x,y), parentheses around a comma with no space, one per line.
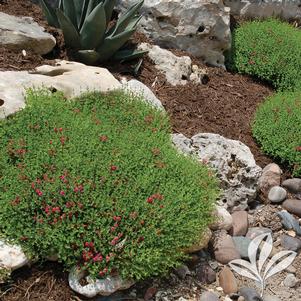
(109,7)
(245,268)
(266,249)
(49,13)
(134,23)
(94,28)
(111,44)
(128,54)
(78,5)
(288,258)
(70,12)
(126,18)
(92,4)
(60,6)
(83,13)
(89,57)
(71,35)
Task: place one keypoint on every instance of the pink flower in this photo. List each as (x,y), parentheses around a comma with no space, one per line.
(114,168)
(62,192)
(39,192)
(56,209)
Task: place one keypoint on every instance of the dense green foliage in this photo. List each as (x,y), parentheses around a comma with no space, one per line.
(88,29)
(277,127)
(97,182)
(270,50)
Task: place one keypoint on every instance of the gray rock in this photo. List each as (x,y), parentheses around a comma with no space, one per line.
(293,206)
(142,90)
(271,298)
(224,248)
(209,296)
(64,76)
(242,244)
(205,273)
(289,222)
(286,9)
(250,294)
(240,223)
(255,231)
(233,162)
(277,194)
(23,33)
(182,271)
(200,27)
(292,185)
(290,243)
(290,281)
(271,176)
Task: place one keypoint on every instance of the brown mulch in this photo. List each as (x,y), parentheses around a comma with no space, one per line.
(225,105)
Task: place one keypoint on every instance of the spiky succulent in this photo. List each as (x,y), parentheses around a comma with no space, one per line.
(86,28)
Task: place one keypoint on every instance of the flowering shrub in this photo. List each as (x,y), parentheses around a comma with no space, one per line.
(270,50)
(97,182)
(277,127)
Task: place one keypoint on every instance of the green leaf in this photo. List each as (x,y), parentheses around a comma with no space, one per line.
(83,13)
(112,44)
(49,13)
(94,28)
(109,7)
(78,5)
(69,11)
(128,54)
(126,18)
(89,57)
(71,35)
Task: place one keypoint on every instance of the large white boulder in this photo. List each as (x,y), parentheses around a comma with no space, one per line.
(69,77)
(200,27)
(23,33)
(11,256)
(233,162)
(286,9)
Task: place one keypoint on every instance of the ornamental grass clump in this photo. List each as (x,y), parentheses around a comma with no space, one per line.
(277,128)
(97,182)
(269,50)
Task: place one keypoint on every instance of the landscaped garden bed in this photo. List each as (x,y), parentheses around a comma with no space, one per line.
(54,152)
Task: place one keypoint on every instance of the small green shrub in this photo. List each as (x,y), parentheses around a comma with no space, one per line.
(277,127)
(97,182)
(270,50)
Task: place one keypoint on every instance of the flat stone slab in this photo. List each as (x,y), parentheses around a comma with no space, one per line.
(23,33)
(69,77)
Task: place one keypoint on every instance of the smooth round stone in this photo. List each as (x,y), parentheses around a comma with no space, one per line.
(290,243)
(250,294)
(293,206)
(223,219)
(209,296)
(242,244)
(292,185)
(277,194)
(290,281)
(240,223)
(289,222)
(227,281)
(255,231)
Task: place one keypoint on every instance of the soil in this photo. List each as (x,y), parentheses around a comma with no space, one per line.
(225,105)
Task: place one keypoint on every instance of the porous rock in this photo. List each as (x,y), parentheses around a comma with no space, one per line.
(233,162)
(200,27)
(20,33)
(69,77)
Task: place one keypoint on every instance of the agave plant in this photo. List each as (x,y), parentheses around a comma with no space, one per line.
(86,28)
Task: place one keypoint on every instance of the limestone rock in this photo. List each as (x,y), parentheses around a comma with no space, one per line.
(224,219)
(69,77)
(23,33)
(11,256)
(104,287)
(233,162)
(286,9)
(140,89)
(271,176)
(200,27)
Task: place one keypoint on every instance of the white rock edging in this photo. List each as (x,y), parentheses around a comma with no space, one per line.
(71,78)
(103,287)
(11,256)
(233,162)
(23,33)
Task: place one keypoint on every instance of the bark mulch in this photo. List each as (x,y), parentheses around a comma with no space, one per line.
(225,105)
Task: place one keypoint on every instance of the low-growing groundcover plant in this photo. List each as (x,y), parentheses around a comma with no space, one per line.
(277,127)
(269,50)
(97,182)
